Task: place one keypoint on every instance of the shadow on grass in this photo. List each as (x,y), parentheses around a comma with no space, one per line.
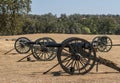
(61,73)
(104,73)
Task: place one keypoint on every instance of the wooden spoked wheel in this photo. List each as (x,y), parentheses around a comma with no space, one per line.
(40,50)
(76,56)
(21,45)
(102,43)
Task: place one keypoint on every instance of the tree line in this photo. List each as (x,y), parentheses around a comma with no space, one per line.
(72,24)
(15,20)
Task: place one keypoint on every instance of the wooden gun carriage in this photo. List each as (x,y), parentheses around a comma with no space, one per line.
(75,55)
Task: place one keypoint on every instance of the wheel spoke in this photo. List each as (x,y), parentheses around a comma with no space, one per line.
(67,62)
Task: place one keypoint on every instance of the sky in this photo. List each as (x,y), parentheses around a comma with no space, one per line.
(68,7)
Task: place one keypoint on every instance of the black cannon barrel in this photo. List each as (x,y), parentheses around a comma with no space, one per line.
(31,42)
(51,44)
(47,44)
(54,45)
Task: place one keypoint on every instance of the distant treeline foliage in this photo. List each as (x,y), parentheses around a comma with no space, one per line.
(72,24)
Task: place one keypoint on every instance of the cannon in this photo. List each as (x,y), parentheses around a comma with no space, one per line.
(74,55)
(103,43)
(38,48)
(77,56)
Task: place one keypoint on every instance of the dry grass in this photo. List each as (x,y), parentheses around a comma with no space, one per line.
(12,71)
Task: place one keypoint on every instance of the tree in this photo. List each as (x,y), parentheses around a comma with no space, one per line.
(10,13)
(106,26)
(85,30)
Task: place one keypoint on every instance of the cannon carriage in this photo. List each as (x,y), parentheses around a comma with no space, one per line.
(74,55)
(38,48)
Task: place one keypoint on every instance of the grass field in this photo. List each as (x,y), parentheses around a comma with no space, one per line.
(12,71)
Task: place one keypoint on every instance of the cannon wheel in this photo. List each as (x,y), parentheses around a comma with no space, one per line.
(21,45)
(104,44)
(43,53)
(74,56)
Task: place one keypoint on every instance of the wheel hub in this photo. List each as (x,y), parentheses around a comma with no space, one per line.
(76,56)
(44,49)
(22,45)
